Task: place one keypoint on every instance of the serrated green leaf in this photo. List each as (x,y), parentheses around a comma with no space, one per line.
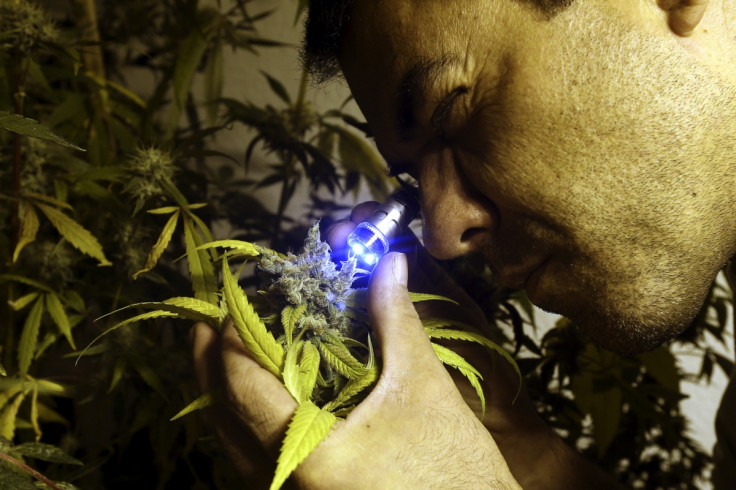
(450,334)
(34,414)
(48,200)
(204,401)
(197,310)
(105,83)
(357,155)
(291,370)
(27,344)
(246,248)
(29,127)
(23,301)
(45,452)
(164,210)
(163,241)
(182,307)
(10,480)
(453,359)
(24,280)
(300,370)
(9,388)
(143,316)
(47,341)
(251,330)
(28,227)
(75,233)
(277,88)
(74,300)
(8,416)
(203,229)
(289,316)
(309,369)
(308,427)
(353,388)
(117,373)
(341,360)
(201,270)
(191,51)
(150,377)
(417,297)
(56,310)
(46,387)
(50,416)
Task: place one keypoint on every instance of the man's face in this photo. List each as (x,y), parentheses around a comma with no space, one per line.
(585,156)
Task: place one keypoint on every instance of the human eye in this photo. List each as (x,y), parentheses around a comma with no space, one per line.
(441,117)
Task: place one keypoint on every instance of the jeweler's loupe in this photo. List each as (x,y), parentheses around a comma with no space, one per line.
(373,238)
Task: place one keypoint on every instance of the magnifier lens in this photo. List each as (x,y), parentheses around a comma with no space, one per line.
(370,239)
(367,244)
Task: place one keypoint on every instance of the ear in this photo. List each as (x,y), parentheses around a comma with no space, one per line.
(684,15)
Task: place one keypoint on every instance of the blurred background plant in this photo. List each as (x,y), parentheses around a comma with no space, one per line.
(139,86)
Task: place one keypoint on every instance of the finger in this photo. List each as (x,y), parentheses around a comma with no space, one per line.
(204,346)
(404,343)
(363,211)
(336,237)
(685,15)
(256,396)
(243,449)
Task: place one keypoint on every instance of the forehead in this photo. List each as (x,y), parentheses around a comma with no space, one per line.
(394,47)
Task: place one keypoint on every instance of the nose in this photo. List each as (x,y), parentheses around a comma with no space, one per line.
(458,219)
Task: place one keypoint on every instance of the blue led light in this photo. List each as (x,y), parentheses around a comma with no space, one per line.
(357,249)
(369,259)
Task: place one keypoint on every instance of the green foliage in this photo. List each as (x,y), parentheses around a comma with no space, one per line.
(132,203)
(311,331)
(129,202)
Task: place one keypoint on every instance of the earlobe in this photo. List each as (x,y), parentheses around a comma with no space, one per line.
(684,15)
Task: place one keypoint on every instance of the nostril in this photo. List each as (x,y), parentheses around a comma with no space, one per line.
(472,235)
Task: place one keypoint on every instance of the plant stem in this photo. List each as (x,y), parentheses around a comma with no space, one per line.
(19,96)
(35,474)
(94,65)
(287,187)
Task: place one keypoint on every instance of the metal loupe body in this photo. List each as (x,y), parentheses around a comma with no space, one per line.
(372,238)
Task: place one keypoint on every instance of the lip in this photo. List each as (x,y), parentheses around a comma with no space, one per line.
(533,280)
(522,279)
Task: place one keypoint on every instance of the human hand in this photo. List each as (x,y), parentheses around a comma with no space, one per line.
(413,430)
(526,442)
(426,276)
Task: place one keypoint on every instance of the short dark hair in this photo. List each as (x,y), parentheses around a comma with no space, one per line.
(325,25)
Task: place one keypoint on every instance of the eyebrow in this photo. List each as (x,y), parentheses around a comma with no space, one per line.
(413,87)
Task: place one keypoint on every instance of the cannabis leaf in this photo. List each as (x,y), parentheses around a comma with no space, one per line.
(28,127)
(251,330)
(308,427)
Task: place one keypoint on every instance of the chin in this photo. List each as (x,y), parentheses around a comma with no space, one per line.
(630,325)
(629,336)
(631,330)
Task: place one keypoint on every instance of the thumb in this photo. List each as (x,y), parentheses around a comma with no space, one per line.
(404,343)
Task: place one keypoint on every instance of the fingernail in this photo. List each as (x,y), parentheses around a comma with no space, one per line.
(399,268)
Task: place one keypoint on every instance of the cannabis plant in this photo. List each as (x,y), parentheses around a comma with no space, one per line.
(309,327)
(85,232)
